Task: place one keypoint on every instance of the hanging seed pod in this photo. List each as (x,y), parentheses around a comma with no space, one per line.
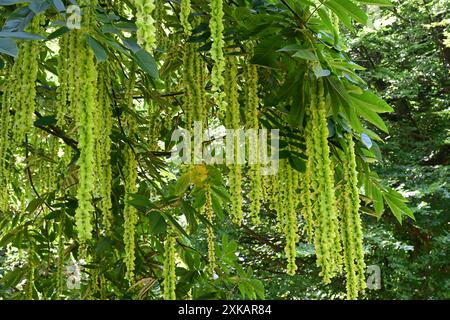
(233,122)
(327,238)
(104,112)
(351,230)
(61,259)
(154,124)
(5,125)
(306,197)
(185,6)
(146,33)
(169,275)
(281,195)
(291,221)
(189,84)
(64,70)
(200,111)
(252,122)
(209,215)
(85,114)
(130,175)
(217,75)
(26,70)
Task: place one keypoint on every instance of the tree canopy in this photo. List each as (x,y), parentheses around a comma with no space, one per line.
(93,198)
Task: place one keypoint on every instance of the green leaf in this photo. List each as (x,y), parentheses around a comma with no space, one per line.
(306,54)
(20,35)
(45,121)
(34,204)
(99,51)
(175,224)
(379,3)
(217,206)
(59,5)
(325,19)
(182,184)
(222,193)
(157,223)
(373,118)
(397,205)
(351,9)
(365,139)
(147,63)
(370,101)
(141,202)
(341,13)
(9,47)
(377,198)
(290,48)
(11,2)
(319,71)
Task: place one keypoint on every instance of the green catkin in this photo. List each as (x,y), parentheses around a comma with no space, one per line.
(327,238)
(146,33)
(27,66)
(154,124)
(184,16)
(281,195)
(131,175)
(217,54)
(169,276)
(66,76)
(200,92)
(61,259)
(86,80)
(29,288)
(252,122)
(291,221)
(189,84)
(74,75)
(161,37)
(104,147)
(209,215)
(306,182)
(351,230)
(61,108)
(273,191)
(4,141)
(233,122)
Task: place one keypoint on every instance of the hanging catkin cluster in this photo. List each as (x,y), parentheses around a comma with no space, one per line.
(146,33)
(25,72)
(190,97)
(252,124)
(86,105)
(209,215)
(233,122)
(290,219)
(184,16)
(103,158)
(169,275)
(4,138)
(351,230)
(217,77)
(326,236)
(130,172)
(66,76)
(154,125)
(194,103)
(61,258)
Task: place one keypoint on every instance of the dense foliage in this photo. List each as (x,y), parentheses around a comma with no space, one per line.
(93,207)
